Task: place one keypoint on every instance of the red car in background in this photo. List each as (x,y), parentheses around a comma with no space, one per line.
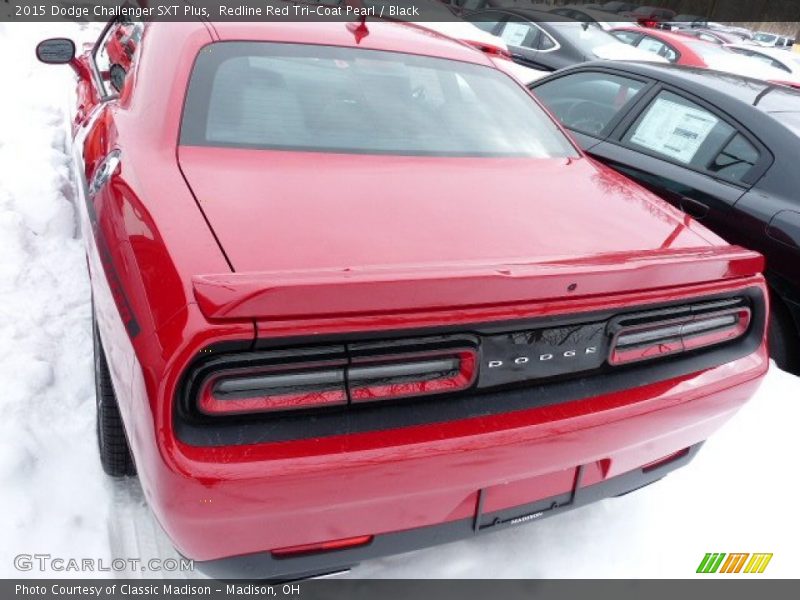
(355,292)
(681,49)
(676,48)
(651,16)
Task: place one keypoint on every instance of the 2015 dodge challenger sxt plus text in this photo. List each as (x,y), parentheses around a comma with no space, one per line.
(355,292)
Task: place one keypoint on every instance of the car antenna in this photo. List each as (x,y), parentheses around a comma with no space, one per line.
(359,31)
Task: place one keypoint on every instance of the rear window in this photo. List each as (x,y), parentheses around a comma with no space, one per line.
(333,99)
(586,39)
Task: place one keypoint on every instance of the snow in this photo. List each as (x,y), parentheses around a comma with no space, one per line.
(737,496)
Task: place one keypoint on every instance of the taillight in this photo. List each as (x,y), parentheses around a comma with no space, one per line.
(274,389)
(335,383)
(491,50)
(416,375)
(635,339)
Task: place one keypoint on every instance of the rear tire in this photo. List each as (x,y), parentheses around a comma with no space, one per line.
(784,346)
(115,455)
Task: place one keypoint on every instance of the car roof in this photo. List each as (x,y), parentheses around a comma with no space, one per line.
(766,50)
(678,38)
(391,36)
(723,89)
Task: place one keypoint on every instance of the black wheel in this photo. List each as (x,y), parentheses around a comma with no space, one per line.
(784,346)
(115,455)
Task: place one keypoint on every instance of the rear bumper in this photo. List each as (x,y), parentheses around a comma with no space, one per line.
(426,485)
(263,565)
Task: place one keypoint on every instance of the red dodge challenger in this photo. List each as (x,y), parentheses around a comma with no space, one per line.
(356,292)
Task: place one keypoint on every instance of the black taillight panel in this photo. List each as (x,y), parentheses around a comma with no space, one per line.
(351,384)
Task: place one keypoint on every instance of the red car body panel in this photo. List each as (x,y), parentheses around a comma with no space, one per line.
(688,56)
(177,249)
(348,292)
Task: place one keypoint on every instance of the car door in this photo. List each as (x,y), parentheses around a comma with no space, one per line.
(687,152)
(591,102)
(531,46)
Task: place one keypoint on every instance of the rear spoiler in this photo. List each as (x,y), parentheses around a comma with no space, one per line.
(365,291)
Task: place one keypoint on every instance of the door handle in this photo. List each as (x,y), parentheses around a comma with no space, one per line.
(695,208)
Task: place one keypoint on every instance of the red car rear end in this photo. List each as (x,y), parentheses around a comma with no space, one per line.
(336,333)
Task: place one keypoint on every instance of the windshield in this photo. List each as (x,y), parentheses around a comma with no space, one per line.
(717,57)
(767,38)
(585,38)
(333,99)
(709,51)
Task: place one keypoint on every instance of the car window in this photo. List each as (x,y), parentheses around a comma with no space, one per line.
(650,44)
(685,132)
(521,34)
(708,38)
(114,54)
(587,102)
(626,37)
(736,159)
(299,97)
(546,42)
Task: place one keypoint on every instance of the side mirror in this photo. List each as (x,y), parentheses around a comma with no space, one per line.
(56,51)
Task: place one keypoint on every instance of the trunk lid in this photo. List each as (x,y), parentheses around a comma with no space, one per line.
(312,234)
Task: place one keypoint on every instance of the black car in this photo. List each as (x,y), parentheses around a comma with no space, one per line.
(721,147)
(548,41)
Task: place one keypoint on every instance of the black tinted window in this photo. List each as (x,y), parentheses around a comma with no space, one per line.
(587,102)
(736,159)
(332,99)
(685,132)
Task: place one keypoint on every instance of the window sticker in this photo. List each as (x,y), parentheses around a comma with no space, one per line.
(674,129)
(515,33)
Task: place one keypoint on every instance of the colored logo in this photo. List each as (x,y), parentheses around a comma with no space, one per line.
(742,562)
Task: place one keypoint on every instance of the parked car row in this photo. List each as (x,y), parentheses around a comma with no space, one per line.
(609,14)
(540,40)
(681,49)
(357,291)
(716,145)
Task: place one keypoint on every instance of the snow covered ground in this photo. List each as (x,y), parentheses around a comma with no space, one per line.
(738,496)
